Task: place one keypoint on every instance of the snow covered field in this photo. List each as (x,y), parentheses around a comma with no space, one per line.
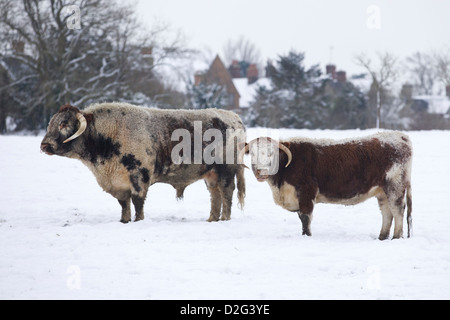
(60,237)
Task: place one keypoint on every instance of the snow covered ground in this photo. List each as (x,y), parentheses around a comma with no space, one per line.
(60,237)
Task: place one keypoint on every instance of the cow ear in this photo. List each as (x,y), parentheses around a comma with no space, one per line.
(68,107)
(89,117)
(242,145)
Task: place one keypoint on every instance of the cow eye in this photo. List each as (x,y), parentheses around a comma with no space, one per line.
(63,125)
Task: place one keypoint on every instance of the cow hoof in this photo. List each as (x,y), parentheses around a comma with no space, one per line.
(138,219)
(225,219)
(125,221)
(212,219)
(383,237)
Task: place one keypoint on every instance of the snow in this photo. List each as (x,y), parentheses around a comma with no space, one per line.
(248,91)
(362,81)
(61,238)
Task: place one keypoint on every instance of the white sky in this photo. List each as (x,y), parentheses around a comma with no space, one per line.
(276,26)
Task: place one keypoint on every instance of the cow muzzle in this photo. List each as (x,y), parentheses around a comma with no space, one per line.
(47,149)
(261,174)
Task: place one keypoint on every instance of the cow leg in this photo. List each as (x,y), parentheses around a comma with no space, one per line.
(306,196)
(216,203)
(306,223)
(226,189)
(138,203)
(386,213)
(126,211)
(211,179)
(397,206)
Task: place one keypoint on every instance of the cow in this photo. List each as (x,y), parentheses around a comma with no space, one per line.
(129,148)
(302,172)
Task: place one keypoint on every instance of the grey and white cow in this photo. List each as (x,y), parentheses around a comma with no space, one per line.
(128,148)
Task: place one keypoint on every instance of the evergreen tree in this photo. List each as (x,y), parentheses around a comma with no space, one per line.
(302,98)
(348,106)
(205,96)
(296,98)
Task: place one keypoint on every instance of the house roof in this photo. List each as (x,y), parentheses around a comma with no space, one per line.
(218,73)
(436,104)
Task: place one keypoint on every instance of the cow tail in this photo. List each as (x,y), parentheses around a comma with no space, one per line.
(409,206)
(240,186)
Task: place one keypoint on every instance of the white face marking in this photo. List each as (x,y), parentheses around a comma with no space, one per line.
(265,158)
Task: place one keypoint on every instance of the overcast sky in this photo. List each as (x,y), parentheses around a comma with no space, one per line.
(277,26)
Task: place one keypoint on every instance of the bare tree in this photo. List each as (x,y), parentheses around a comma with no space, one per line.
(383,75)
(49,61)
(423,72)
(442,63)
(241,49)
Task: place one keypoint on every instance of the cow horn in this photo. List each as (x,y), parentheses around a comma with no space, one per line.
(81,129)
(283,148)
(287,151)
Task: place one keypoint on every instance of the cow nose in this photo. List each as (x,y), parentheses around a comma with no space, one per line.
(261,172)
(45,147)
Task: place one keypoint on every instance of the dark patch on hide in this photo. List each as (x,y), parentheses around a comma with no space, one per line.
(135,182)
(225,173)
(100,148)
(220,125)
(145,175)
(163,158)
(130,162)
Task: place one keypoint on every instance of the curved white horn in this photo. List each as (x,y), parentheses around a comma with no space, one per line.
(81,129)
(287,151)
(283,148)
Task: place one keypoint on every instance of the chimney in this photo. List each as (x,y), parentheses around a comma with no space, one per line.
(198,78)
(18,46)
(407,92)
(331,69)
(235,69)
(147,53)
(341,76)
(252,73)
(147,50)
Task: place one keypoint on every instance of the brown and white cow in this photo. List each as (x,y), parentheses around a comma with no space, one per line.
(310,171)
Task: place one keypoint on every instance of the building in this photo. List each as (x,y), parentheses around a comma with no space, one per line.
(244,69)
(219,74)
(239,80)
(340,76)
